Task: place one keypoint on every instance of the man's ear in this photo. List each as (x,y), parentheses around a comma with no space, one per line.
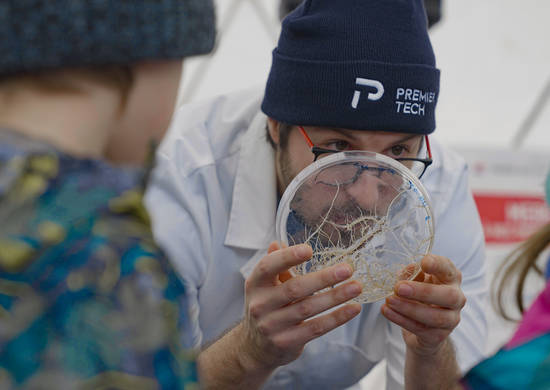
(273,126)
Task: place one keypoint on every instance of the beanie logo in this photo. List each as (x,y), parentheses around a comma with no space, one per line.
(371,96)
(413,101)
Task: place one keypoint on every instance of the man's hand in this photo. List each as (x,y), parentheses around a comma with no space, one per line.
(281,316)
(428,308)
(279,309)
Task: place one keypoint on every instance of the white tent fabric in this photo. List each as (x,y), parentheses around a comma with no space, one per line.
(493,54)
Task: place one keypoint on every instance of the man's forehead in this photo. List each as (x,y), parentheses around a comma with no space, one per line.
(364,135)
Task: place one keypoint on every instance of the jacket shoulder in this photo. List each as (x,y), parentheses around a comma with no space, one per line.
(203,132)
(447,175)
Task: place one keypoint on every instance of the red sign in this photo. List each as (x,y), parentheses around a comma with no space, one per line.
(510,219)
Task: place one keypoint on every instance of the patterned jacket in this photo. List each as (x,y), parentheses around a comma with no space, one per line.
(86,298)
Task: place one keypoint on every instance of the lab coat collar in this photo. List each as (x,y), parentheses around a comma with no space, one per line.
(254,203)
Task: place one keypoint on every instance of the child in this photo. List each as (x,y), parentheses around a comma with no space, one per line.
(86,298)
(524,362)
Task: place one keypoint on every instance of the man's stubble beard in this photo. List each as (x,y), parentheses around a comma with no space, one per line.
(284,168)
(344,213)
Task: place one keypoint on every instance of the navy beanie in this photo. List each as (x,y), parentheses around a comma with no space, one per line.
(46,34)
(355,64)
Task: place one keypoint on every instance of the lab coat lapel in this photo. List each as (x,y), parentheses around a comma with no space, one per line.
(252,218)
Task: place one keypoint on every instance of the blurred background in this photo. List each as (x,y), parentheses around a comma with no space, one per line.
(494,56)
(494,106)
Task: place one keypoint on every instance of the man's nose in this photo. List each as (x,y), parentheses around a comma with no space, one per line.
(365,191)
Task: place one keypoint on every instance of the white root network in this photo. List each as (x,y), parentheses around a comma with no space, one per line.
(376,266)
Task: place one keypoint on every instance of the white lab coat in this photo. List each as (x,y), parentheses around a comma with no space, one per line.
(213,202)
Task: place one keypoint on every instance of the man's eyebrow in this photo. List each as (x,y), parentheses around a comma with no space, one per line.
(351,133)
(405,139)
(345,132)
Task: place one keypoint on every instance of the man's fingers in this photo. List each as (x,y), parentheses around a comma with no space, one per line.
(298,288)
(311,306)
(450,297)
(273,247)
(408,271)
(318,326)
(284,276)
(427,315)
(429,337)
(278,261)
(303,286)
(442,268)
(402,321)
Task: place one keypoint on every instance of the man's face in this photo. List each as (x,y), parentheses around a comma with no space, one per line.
(297,155)
(339,208)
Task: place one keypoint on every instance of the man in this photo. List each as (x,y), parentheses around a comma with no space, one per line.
(345,75)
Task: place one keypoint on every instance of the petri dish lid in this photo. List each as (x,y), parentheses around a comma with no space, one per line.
(361,208)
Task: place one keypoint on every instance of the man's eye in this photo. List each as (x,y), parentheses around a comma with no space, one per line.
(338,145)
(398,150)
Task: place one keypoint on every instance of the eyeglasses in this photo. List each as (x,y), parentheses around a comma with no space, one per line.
(417,165)
(345,174)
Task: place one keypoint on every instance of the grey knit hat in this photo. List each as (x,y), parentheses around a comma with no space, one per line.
(45,34)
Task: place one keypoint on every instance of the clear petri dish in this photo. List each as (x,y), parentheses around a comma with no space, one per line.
(360,208)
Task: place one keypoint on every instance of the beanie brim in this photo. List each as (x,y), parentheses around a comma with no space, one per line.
(359,95)
(40,35)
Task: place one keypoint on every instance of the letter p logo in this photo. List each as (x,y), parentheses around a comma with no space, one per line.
(371,96)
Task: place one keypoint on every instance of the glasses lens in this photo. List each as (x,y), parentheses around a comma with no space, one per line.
(320,155)
(337,175)
(417,167)
(349,173)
